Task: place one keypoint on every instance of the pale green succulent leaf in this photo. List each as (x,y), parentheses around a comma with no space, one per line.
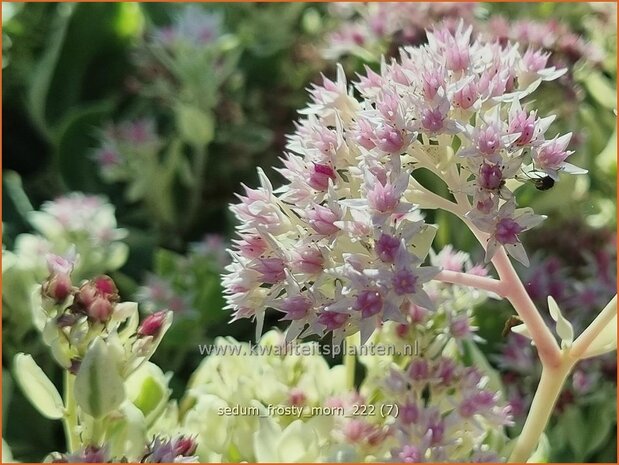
(99,387)
(37,387)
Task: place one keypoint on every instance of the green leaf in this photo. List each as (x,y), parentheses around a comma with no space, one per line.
(601,419)
(165,262)
(601,89)
(576,428)
(75,142)
(99,387)
(195,126)
(37,387)
(43,74)
(7,392)
(86,60)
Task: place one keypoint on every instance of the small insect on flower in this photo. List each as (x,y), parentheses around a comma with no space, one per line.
(512,321)
(542,182)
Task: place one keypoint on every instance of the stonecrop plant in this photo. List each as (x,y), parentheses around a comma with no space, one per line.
(350,256)
(341,247)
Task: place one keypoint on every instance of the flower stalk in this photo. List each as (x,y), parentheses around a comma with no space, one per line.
(70,418)
(548,390)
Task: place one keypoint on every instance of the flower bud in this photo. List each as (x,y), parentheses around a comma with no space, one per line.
(58,287)
(152,325)
(100,310)
(319,178)
(369,303)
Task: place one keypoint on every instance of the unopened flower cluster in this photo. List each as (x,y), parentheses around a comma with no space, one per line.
(72,225)
(340,247)
(104,349)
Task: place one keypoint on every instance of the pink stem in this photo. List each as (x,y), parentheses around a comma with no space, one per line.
(471,280)
(547,347)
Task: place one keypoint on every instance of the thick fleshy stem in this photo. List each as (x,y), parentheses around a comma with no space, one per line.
(551,383)
(546,395)
(547,347)
(70,418)
(470,280)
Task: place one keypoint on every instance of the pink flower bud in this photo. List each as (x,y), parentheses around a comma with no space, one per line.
(297,397)
(432,81)
(552,154)
(490,177)
(185,446)
(489,140)
(100,310)
(369,303)
(418,314)
(383,198)
(402,330)
(105,286)
(308,260)
(446,371)
(296,307)
(523,124)
(410,454)
(419,370)
(409,413)
(432,119)
(333,320)
(460,328)
(467,408)
(319,178)
(466,97)
(324,139)
(389,139)
(458,57)
(388,106)
(322,219)
(484,399)
(404,282)
(152,324)
(365,134)
(58,287)
(507,231)
(387,247)
(535,60)
(485,204)
(252,246)
(271,270)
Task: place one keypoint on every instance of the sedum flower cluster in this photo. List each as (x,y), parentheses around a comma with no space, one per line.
(74,224)
(425,406)
(366,30)
(340,247)
(449,409)
(566,46)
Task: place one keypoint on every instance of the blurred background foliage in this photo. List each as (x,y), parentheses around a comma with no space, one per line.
(164,109)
